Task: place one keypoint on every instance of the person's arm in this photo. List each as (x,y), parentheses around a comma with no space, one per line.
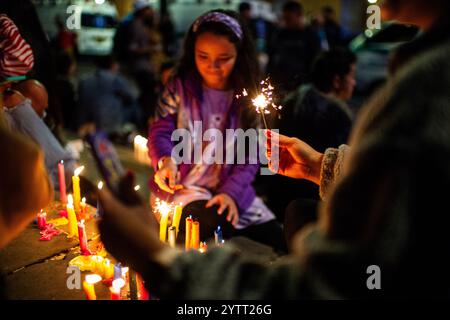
(331,168)
(26,121)
(24,185)
(131,235)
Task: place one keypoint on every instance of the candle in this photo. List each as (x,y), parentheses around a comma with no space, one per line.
(99,213)
(142,291)
(72,217)
(108,269)
(98,265)
(88,285)
(187,242)
(118,271)
(83,239)
(62,182)
(178,210)
(164,209)
(195,236)
(76,188)
(83,208)
(218,236)
(203,247)
(132,284)
(42,220)
(173,236)
(117,285)
(141,149)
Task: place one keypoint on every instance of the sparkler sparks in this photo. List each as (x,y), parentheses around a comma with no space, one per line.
(163,207)
(264,100)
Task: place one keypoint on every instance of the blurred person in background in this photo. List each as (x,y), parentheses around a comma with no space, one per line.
(292,49)
(107,99)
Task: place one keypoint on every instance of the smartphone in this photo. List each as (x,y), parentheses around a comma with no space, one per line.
(107,160)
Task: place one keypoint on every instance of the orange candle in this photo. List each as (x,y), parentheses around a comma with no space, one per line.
(188,233)
(195,236)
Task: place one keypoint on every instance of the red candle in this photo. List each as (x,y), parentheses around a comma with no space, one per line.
(62,182)
(83,239)
(42,220)
(142,291)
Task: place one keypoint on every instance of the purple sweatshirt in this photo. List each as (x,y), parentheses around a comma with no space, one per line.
(178,100)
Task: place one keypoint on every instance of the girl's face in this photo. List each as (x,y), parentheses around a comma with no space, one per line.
(215,57)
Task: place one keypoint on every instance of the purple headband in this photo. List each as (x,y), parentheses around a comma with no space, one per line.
(230,22)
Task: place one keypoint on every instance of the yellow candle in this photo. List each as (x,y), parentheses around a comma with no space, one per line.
(71,216)
(195,237)
(187,241)
(88,285)
(178,210)
(108,269)
(164,210)
(76,188)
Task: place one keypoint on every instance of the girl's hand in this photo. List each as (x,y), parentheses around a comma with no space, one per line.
(167,175)
(295,158)
(224,202)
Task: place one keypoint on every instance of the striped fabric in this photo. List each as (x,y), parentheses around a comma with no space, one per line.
(16,56)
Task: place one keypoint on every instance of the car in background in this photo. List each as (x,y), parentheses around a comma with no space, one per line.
(373,49)
(98,26)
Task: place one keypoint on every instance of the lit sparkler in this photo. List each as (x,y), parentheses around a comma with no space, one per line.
(264,100)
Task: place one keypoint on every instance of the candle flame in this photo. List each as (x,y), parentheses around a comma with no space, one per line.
(78,171)
(83,200)
(93,278)
(118,283)
(140,140)
(100,185)
(70,199)
(136,188)
(62,161)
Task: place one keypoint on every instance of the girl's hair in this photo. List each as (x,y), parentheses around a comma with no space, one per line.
(245,74)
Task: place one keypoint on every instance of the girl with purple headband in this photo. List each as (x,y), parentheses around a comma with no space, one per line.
(218,62)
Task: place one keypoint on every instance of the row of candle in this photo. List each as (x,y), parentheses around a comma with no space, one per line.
(75,185)
(165,210)
(119,276)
